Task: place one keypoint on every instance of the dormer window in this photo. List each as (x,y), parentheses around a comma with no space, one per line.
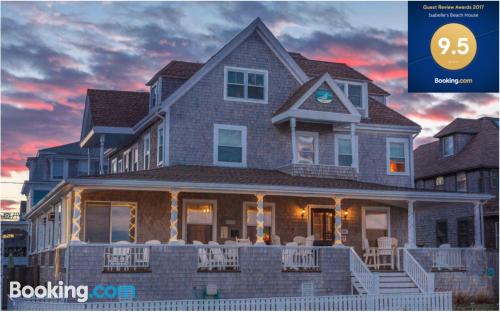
(153,96)
(247,85)
(447,146)
(354,92)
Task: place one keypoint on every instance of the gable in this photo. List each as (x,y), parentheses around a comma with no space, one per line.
(320,100)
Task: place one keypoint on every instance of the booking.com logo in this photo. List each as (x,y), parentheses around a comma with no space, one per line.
(80,293)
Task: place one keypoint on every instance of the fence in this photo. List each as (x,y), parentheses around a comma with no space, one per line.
(220,258)
(411,302)
(126,259)
(447,259)
(300,259)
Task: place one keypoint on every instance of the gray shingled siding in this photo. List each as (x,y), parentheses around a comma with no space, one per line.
(335,106)
(174,274)
(169,85)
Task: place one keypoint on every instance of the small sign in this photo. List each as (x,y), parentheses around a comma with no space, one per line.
(324,96)
(490,272)
(344,231)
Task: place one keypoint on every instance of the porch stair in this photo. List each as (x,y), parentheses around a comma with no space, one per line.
(390,283)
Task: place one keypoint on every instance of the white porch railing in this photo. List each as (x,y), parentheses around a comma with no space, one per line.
(423,279)
(300,259)
(447,259)
(441,301)
(218,258)
(362,273)
(126,259)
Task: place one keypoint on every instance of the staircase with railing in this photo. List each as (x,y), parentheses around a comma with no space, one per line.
(423,279)
(364,281)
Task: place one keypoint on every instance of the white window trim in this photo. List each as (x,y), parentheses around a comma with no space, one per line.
(246,71)
(246,204)
(443,144)
(155,86)
(185,202)
(388,156)
(354,148)
(146,137)
(364,93)
(373,208)
(126,162)
(316,146)
(158,142)
(114,165)
(135,158)
(215,148)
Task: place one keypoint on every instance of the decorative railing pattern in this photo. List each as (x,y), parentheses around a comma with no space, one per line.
(218,258)
(447,259)
(441,301)
(126,259)
(300,259)
(423,279)
(362,273)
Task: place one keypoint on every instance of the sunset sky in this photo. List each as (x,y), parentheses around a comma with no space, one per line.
(53,52)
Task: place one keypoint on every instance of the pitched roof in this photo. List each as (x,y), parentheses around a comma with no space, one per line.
(176,69)
(213,174)
(460,125)
(382,114)
(110,108)
(373,89)
(66,149)
(296,96)
(480,152)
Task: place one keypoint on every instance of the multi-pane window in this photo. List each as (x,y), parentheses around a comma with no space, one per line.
(110,222)
(246,84)
(441,232)
(344,153)
(147,151)
(462,182)
(397,150)
(306,147)
(230,145)
(160,145)
(354,92)
(447,147)
(57,169)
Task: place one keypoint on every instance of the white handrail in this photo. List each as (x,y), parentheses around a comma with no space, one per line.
(423,279)
(447,258)
(363,274)
(300,258)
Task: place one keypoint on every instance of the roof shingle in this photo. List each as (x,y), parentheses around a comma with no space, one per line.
(177,69)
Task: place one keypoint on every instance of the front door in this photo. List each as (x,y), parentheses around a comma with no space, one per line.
(322,226)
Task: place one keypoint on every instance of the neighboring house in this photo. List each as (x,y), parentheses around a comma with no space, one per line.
(15,238)
(463,159)
(257,143)
(52,165)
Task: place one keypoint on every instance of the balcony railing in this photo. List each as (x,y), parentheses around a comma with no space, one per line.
(300,259)
(126,259)
(447,259)
(218,258)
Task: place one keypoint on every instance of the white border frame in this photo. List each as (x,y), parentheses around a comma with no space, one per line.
(246,71)
(386,209)
(114,165)
(215,146)
(160,130)
(127,163)
(354,149)
(406,143)
(186,201)
(364,93)
(316,147)
(148,137)
(309,215)
(244,225)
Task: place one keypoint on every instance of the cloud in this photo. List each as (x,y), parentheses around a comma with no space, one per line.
(444,111)
(9,205)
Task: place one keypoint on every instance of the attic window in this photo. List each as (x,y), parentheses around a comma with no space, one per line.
(353,91)
(447,146)
(247,85)
(153,97)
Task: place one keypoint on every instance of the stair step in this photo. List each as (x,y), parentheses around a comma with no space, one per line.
(396,285)
(391,273)
(395,279)
(414,290)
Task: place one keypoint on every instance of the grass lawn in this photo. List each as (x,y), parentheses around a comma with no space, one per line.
(476,307)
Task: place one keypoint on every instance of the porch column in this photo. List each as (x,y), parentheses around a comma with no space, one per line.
(260,219)
(294,143)
(411,225)
(77,212)
(478,206)
(101,154)
(174,216)
(338,221)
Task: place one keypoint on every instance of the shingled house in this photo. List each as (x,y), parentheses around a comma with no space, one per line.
(253,149)
(463,159)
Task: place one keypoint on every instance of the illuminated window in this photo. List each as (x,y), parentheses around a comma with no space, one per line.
(245,84)
(397,156)
(439,181)
(306,147)
(447,146)
(462,182)
(200,224)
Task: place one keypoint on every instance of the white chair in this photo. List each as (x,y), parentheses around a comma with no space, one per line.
(292,244)
(386,251)
(153,242)
(196,242)
(229,242)
(300,240)
(369,254)
(275,240)
(310,241)
(178,242)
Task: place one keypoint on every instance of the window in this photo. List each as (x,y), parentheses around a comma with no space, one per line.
(345,151)
(353,91)
(135,161)
(160,151)
(37,196)
(397,156)
(147,151)
(200,220)
(245,84)
(462,182)
(494,179)
(114,165)
(153,96)
(441,232)
(126,161)
(57,169)
(465,232)
(107,222)
(306,147)
(120,165)
(447,146)
(230,145)
(250,220)
(439,182)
